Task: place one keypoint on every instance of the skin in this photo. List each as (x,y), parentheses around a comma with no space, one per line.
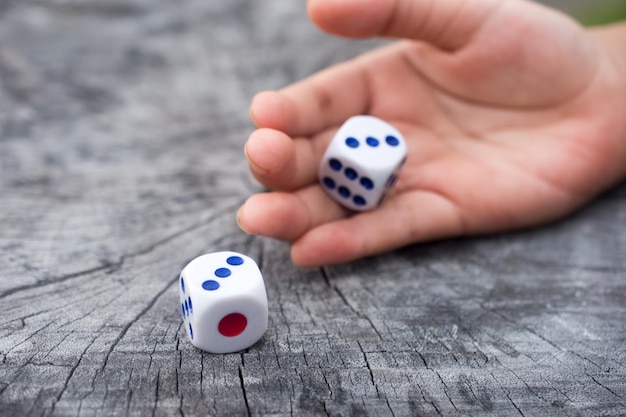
(514,117)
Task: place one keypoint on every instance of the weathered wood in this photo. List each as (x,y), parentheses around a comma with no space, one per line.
(121,133)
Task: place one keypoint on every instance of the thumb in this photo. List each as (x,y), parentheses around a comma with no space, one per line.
(447,24)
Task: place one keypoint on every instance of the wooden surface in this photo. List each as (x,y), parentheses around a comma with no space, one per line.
(121,132)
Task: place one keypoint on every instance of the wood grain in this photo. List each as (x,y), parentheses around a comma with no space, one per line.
(121,132)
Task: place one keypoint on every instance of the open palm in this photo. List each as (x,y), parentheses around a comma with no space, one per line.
(508,108)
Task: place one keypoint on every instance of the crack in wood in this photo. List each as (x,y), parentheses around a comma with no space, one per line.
(141,313)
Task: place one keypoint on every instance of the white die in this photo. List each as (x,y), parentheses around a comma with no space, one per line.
(362,162)
(223,302)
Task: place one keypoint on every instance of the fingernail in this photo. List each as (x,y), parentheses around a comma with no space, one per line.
(253,166)
(239,219)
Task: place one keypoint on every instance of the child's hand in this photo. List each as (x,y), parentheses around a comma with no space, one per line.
(513,114)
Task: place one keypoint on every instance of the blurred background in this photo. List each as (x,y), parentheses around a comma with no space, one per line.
(592,12)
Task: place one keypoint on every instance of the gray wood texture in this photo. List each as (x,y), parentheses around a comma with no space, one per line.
(121,132)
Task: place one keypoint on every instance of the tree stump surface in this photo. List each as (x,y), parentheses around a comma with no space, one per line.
(122,126)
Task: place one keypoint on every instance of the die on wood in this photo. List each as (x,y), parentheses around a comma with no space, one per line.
(223,302)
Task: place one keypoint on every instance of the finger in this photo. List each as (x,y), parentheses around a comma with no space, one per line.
(404,220)
(282,163)
(447,24)
(319,102)
(287,216)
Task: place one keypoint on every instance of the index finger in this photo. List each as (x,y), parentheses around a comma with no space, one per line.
(314,104)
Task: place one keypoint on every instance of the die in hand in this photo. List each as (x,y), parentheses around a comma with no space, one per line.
(223,302)
(362,162)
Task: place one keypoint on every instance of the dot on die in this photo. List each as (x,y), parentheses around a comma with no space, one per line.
(223,302)
(362,162)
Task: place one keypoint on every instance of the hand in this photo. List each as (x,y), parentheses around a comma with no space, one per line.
(513,114)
